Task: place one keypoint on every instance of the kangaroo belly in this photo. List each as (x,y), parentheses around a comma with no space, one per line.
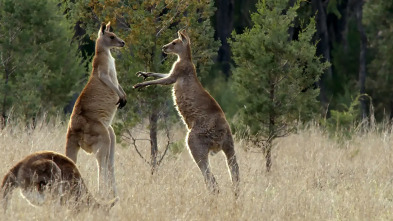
(186,109)
(99,102)
(196,107)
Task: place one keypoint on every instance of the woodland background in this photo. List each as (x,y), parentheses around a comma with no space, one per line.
(305,85)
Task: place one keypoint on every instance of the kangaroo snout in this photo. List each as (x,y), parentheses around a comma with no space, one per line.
(122,43)
(164,48)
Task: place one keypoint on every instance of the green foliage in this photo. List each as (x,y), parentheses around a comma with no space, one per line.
(146,26)
(345,121)
(345,60)
(220,88)
(275,77)
(377,16)
(40,68)
(177,147)
(332,7)
(342,123)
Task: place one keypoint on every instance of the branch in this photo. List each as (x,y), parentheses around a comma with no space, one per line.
(13,35)
(168,143)
(135,146)
(6,60)
(279,80)
(165,26)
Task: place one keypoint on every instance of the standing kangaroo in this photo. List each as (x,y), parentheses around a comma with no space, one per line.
(47,175)
(208,129)
(90,124)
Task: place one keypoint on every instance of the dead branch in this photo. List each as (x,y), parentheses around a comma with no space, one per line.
(168,142)
(133,142)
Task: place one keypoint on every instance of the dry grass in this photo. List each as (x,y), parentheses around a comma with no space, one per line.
(312,178)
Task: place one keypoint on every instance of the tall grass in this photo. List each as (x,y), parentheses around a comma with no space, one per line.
(312,178)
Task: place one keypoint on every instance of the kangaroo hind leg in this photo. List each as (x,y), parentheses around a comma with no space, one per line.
(233,167)
(72,145)
(199,149)
(111,160)
(100,140)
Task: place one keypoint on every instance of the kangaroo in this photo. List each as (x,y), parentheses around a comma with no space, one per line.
(208,129)
(46,175)
(90,122)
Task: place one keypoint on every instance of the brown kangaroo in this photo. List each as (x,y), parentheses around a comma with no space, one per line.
(90,123)
(208,129)
(47,175)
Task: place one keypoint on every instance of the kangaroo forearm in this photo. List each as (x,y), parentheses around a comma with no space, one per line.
(122,90)
(151,74)
(158,75)
(164,81)
(110,84)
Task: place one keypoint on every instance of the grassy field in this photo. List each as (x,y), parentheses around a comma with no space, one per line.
(312,178)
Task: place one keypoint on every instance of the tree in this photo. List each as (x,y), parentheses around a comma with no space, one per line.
(323,48)
(39,66)
(146,26)
(362,57)
(274,76)
(378,26)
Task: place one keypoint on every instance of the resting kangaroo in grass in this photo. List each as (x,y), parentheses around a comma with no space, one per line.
(208,129)
(46,175)
(90,124)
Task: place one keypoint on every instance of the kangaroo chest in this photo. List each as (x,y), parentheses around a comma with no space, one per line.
(185,96)
(112,70)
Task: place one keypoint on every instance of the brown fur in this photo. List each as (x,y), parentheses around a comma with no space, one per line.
(90,124)
(49,175)
(208,129)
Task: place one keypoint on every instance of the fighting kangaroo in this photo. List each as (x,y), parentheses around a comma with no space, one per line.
(208,129)
(46,175)
(90,123)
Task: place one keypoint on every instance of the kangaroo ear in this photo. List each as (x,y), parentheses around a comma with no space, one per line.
(183,36)
(102,29)
(108,26)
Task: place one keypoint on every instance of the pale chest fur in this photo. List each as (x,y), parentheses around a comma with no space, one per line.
(184,98)
(112,70)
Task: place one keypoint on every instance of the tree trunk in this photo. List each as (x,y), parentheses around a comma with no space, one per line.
(153,140)
(272,118)
(224,27)
(268,156)
(7,72)
(391,112)
(323,48)
(362,58)
(341,32)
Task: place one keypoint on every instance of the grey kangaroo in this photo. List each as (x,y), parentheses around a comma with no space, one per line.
(208,129)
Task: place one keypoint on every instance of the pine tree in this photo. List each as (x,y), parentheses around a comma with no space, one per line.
(39,67)
(274,76)
(146,26)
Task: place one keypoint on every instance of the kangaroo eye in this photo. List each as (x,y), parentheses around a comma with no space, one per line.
(112,37)
(173,43)
(41,186)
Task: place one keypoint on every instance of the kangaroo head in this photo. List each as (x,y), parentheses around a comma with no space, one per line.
(46,175)
(179,46)
(108,39)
